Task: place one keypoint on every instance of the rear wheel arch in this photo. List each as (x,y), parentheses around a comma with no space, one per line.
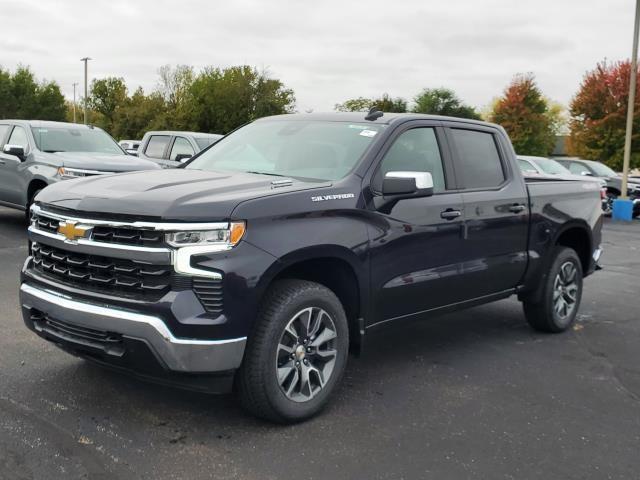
(577,236)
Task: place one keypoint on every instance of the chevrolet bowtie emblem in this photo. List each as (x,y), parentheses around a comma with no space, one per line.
(72,231)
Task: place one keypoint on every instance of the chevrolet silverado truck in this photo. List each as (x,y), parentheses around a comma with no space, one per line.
(261,263)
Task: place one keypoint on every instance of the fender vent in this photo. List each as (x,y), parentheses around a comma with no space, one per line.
(209,292)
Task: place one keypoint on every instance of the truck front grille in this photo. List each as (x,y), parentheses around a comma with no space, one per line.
(115,276)
(104,233)
(127,236)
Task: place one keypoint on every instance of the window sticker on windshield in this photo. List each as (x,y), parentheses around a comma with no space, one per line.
(42,130)
(358,127)
(368,133)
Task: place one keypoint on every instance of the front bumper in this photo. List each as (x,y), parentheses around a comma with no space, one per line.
(173,354)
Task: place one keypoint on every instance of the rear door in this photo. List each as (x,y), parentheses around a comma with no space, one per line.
(496,209)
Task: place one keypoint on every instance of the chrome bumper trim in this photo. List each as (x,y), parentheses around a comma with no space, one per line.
(179,354)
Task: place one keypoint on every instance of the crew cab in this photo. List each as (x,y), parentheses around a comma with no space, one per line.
(37,153)
(265,259)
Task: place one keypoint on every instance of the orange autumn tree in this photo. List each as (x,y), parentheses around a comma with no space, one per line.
(526,116)
(598,116)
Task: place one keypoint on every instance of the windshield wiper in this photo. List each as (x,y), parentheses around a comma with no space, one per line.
(267,173)
(53,151)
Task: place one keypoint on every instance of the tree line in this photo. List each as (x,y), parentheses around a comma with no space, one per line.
(218,100)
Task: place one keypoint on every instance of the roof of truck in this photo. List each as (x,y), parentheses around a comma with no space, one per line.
(385,119)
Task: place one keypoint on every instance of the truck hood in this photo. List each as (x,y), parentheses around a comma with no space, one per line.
(169,194)
(103,161)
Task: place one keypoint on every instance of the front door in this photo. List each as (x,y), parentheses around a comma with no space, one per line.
(12,187)
(415,246)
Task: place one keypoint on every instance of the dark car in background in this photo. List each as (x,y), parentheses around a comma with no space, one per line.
(613,180)
(170,149)
(36,153)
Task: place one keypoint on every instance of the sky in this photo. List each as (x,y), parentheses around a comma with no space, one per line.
(327,51)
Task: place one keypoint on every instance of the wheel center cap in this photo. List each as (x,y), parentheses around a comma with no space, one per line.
(300,352)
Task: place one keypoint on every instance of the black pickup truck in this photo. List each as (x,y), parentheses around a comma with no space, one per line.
(262,261)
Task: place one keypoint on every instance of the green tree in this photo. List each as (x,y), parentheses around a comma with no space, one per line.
(224,99)
(360,104)
(442,101)
(525,115)
(23,97)
(107,96)
(598,115)
(174,87)
(387,104)
(140,114)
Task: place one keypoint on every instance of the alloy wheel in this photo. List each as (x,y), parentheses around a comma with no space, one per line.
(565,291)
(306,354)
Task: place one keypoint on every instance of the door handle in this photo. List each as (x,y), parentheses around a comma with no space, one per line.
(517,208)
(2,162)
(450,214)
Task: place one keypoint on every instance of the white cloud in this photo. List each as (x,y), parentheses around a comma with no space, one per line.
(326,51)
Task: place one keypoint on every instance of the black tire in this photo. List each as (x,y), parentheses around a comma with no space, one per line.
(257,381)
(544,315)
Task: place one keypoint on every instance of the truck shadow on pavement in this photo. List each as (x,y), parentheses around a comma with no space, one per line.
(391,362)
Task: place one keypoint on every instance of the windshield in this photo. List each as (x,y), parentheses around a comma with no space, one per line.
(551,167)
(313,150)
(69,139)
(602,170)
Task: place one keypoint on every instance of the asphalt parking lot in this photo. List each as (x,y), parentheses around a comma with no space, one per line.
(475,394)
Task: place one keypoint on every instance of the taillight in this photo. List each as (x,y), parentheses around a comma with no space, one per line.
(603,193)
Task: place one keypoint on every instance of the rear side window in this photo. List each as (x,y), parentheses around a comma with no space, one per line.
(478,161)
(578,168)
(526,166)
(3,132)
(157,145)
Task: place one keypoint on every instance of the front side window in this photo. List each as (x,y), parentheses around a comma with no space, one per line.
(181,146)
(157,145)
(478,160)
(72,139)
(415,150)
(304,149)
(19,137)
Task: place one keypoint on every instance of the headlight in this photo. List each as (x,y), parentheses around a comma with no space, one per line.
(229,236)
(71,173)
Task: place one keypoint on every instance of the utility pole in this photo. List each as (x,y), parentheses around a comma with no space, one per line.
(622,206)
(632,99)
(86,93)
(75,84)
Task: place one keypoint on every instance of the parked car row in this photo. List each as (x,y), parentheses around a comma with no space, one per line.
(574,168)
